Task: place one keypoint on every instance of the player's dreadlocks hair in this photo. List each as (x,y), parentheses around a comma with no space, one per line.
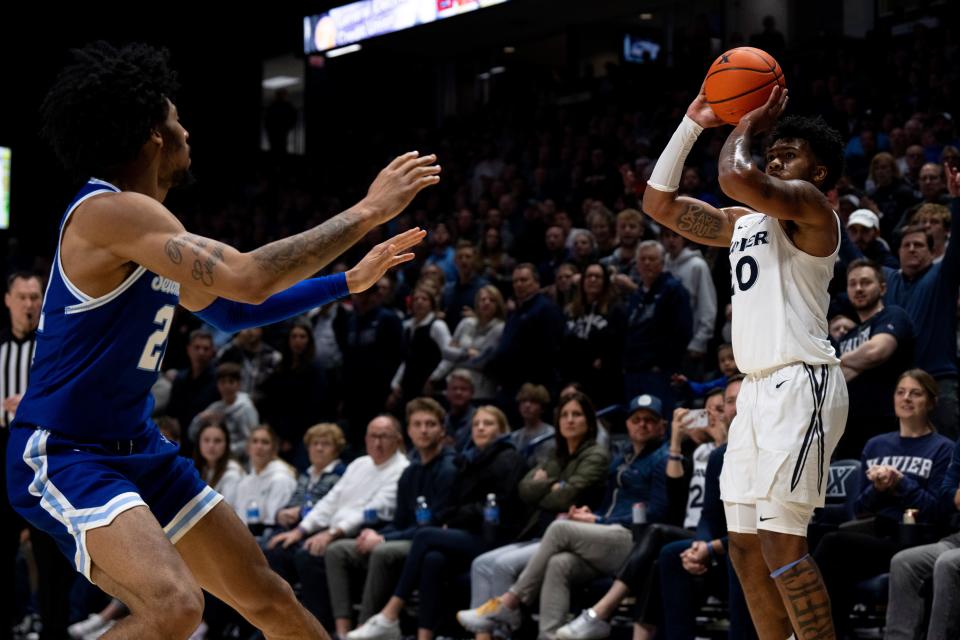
(101,108)
(824,141)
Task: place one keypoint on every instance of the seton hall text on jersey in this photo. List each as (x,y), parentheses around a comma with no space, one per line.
(760,237)
(165,285)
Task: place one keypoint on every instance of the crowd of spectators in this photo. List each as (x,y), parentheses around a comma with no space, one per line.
(507,398)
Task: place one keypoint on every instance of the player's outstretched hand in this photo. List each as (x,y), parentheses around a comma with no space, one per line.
(764,117)
(397,184)
(382,258)
(702,113)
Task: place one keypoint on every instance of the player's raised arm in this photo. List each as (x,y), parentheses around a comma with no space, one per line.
(141,230)
(693,219)
(779,192)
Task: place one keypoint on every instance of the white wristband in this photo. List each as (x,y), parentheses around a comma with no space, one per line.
(666,174)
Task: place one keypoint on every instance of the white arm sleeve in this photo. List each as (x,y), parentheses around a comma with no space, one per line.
(666,174)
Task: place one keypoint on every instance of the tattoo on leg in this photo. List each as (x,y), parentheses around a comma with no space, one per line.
(699,222)
(807,601)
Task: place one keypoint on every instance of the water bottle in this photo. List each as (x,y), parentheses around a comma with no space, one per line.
(253,513)
(639,518)
(909,535)
(639,513)
(254,521)
(491,518)
(423,512)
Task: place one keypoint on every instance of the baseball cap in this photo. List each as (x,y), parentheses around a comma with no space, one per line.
(648,402)
(864,218)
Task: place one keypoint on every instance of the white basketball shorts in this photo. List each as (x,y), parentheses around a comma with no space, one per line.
(788,423)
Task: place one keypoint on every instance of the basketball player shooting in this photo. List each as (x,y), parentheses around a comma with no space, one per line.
(793,405)
(85,462)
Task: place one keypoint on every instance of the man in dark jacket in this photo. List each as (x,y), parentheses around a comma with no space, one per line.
(529,346)
(194,388)
(659,327)
(463,291)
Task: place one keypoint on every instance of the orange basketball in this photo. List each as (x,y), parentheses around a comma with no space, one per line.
(741,80)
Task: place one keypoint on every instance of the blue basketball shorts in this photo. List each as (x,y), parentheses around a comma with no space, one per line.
(66,488)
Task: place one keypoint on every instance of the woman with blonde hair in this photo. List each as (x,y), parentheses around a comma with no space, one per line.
(268,485)
(324,443)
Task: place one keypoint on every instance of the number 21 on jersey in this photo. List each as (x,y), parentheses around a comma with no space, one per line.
(153,351)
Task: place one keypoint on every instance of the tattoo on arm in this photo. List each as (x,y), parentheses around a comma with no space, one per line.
(315,247)
(173,247)
(807,601)
(206,255)
(698,222)
(284,262)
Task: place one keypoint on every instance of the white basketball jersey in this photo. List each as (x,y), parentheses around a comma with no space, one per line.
(698,484)
(780,297)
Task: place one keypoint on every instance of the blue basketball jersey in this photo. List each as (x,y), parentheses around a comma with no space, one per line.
(97,358)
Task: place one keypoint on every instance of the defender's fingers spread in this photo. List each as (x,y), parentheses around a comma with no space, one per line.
(396,162)
(416,161)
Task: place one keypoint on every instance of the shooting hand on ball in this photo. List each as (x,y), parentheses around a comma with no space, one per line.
(702,113)
(763,118)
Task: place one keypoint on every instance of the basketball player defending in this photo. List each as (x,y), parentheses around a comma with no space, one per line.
(793,405)
(85,462)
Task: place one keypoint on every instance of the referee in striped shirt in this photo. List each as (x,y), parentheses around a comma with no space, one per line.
(23,298)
